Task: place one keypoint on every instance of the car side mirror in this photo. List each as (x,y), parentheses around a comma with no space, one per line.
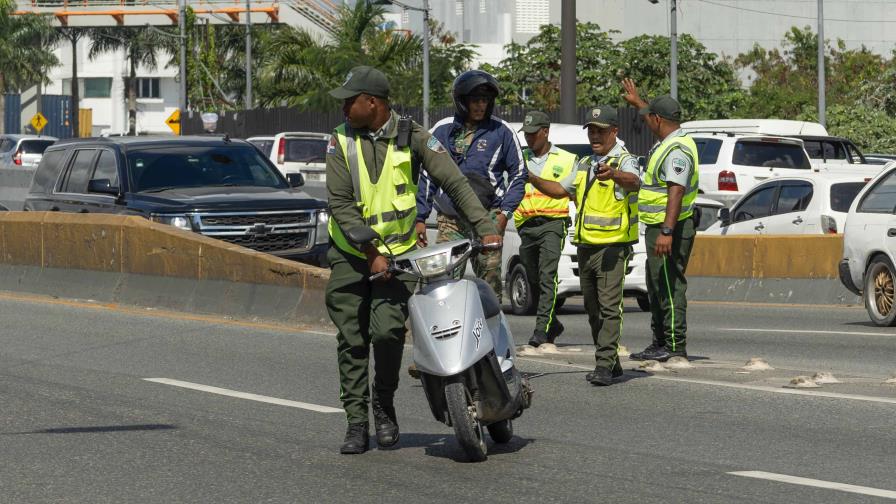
(295,179)
(362,235)
(725,216)
(102,186)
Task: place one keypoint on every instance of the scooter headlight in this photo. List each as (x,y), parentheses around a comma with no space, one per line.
(433,265)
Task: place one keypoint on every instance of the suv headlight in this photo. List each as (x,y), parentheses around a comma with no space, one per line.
(323,234)
(179,221)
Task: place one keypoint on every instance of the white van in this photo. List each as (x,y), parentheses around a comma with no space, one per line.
(777,127)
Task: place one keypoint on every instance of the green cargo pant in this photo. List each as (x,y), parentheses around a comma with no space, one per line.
(667,286)
(541,242)
(602,277)
(366,313)
(486,265)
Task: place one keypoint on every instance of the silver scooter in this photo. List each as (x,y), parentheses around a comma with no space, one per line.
(463,348)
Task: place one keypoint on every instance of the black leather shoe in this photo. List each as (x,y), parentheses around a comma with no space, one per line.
(555,330)
(356,439)
(617,369)
(385,424)
(664,354)
(601,376)
(538,338)
(651,349)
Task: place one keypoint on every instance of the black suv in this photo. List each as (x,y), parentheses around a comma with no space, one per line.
(215,186)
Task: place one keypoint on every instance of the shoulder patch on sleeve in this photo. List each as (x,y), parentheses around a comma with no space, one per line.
(679,165)
(435,145)
(331,147)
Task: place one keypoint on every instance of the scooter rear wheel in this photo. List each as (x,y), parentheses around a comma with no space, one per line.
(467,428)
(501,432)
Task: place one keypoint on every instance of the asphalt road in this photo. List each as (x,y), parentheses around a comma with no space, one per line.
(80,422)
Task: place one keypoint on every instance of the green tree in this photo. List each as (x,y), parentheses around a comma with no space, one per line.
(25,51)
(71,35)
(530,75)
(141,46)
(303,68)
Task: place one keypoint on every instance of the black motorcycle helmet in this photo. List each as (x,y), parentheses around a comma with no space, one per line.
(464,85)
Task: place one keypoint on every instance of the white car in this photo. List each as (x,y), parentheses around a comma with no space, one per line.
(296,152)
(792,205)
(869,247)
(23,151)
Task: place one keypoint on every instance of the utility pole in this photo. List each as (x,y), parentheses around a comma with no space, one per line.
(568,62)
(182,26)
(248,56)
(821,91)
(673,63)
(426,64)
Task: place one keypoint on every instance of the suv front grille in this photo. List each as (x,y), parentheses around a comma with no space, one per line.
(278,233)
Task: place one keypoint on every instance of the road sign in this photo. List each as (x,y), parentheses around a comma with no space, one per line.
(173,121)
(38,122)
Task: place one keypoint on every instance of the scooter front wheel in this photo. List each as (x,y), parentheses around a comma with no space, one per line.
(467,428)
(501,432)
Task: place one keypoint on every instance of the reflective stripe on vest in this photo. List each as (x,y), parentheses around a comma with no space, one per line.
(389,206)
(603,218)
(557,166)
(654,193)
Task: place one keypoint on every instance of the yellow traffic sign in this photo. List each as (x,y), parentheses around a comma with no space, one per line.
(38,122)
(173,121)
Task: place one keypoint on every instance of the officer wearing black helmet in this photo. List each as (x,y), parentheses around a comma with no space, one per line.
(488,152)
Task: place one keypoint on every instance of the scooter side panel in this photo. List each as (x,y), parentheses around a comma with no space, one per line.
(449,328)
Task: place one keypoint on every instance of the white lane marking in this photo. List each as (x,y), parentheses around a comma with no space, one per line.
(830,485)
(804,331)
(245,395)
(775,390)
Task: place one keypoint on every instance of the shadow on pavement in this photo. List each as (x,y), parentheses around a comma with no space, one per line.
(96,429)
(445,446)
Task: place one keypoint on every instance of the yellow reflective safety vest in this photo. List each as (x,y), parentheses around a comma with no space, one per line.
(558,165)
(601,217)
(654,193)
(389,206)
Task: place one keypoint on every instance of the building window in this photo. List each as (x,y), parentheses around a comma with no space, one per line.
(482,6)
(531,15)
(459,7)
(96,87)
(148,88)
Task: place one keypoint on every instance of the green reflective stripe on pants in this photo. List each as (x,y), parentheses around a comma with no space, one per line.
(667,285)
(602,277)
(541,247)
(671,299)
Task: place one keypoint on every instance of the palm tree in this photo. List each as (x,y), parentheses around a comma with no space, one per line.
(25,51)
(141,45)
(72,34)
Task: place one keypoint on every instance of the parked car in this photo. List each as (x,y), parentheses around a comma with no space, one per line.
(791,205)
(869,247)
(297,152)
(881,159)
(777,127)
(23,151)
(215,186)
(831,149)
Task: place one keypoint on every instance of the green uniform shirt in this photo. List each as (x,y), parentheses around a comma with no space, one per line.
(677,167)
(426,153)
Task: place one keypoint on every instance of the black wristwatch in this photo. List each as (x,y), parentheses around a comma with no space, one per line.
(666,231)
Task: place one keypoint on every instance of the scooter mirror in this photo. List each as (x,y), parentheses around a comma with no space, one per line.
(362,235)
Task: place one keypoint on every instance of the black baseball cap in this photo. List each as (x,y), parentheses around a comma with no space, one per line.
(362,79)
(602,116)
(664,106)
(534,121)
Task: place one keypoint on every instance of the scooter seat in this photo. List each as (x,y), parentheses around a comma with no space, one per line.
(490,304)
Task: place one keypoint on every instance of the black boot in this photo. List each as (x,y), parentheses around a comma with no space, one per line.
(555,330)
(357,438)
(650,350)
(538,338)
(385,424)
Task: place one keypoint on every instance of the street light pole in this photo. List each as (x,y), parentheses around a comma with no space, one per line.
(182,26)
(821,91)
(248,56)
(425,11)
(568,61)
(673,64)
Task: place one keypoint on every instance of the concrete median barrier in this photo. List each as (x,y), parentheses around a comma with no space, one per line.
(130,260)
(772,269)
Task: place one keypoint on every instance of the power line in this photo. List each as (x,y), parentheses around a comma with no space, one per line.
(811,18)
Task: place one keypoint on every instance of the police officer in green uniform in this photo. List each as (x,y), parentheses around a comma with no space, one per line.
(374,162)
(606,226)
(542,223)
(666,206)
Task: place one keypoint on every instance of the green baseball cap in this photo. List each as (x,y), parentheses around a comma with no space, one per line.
(362,79)
(602,116)
(664,106)
(534,121)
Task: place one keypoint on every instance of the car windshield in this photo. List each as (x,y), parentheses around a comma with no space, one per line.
(157,169)
(770,155)
(843,194)
(305,150)
(34,146)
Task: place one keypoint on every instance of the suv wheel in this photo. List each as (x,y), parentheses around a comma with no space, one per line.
(521,299)
(880,291)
